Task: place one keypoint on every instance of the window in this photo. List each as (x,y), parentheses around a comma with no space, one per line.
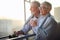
(28,13)
(11,16)
(12,9)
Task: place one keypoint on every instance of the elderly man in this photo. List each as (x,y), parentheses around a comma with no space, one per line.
(32,21)
(47,24)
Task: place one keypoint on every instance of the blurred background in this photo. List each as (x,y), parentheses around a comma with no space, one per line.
(14,13)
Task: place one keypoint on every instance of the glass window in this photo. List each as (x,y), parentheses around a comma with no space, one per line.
(12,9)
(28,0)
(11,16)
(32,0)
(28,13)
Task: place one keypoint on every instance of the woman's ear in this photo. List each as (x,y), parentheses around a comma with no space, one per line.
(49,9)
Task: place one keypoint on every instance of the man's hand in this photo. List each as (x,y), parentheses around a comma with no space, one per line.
(18,33)
(33,23)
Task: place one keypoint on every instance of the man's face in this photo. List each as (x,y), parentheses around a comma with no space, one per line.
(34,9)
(43,9)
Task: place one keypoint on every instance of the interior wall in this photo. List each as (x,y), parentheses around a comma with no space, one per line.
(57,13)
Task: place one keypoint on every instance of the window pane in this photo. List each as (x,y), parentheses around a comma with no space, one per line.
(32,0)
(28,13)
(11,16)
(27,0)
(12,9)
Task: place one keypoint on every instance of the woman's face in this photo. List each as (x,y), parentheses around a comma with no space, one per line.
(43,9)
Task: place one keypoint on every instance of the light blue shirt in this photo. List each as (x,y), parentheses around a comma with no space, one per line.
(48,26)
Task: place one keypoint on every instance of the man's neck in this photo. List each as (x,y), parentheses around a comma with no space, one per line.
(37,15)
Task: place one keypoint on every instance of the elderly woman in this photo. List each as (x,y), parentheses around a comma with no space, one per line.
(47,24)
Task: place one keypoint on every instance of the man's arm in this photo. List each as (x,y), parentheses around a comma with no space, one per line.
(26,28)
(24,31)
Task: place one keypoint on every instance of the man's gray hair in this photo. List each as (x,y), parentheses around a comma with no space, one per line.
(37,3)
(48,4)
